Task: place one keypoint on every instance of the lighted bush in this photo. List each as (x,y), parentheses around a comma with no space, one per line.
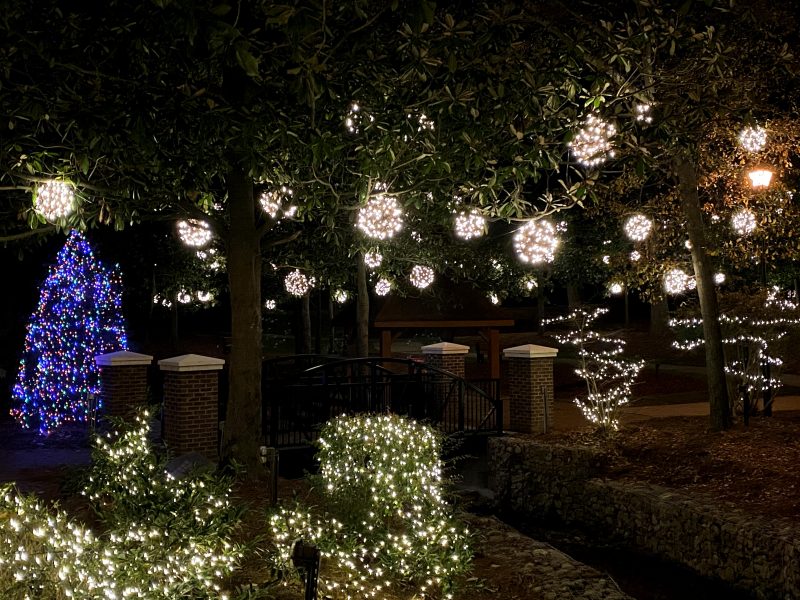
(163,538)
(383,522)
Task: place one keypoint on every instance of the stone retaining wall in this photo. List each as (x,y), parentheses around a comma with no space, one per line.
(542,481)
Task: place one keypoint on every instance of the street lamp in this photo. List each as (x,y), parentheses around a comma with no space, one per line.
(760,178)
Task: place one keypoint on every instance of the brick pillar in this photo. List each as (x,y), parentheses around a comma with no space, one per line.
(191,404)
(447,356)
(530,370)
(123,382)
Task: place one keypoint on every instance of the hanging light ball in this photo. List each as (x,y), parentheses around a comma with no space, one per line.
(270,304)
(273,200)
(638,227)
(341,296)
(616,288)
(536,242)
(719,278)
(494,298)
(753,139)
(421,276)
(530,284)
(381,217)
(592,145)
(194,232)
(635,256)
(184,297)
(205,296)
(642,112)
(297,284)
(469,225)
(676,281)
(54,200)
(743,222)
(373,259)
(383,286)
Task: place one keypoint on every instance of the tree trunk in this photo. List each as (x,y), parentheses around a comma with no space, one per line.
(307,341)
(242,432)
(540,301)
(659,316)
(709,309)
(362,308)
(573,295)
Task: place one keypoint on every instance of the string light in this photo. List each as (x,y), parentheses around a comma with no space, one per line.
(373,259)
(78,317)
(184,297)
(274,201)
(753,139)
(270,304)
(494,298)
(635,256)
(536,242)
(743,222)
(638,227)
(592,145)
(297,284)
(642,112)
(470,225)
(616,288)
(530,284)
(676,281)
(194,232)
(383,286)
(205,297)
(55,200)
(341,296)
(381,217)
(719,278)
(421,276)
(354,118)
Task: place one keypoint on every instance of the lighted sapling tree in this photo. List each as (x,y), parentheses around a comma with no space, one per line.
(608,376)
(78,318)
(384,522)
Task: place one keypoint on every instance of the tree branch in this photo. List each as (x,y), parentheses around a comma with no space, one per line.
(26,234)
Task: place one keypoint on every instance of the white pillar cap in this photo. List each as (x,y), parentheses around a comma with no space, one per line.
(445,348)
(530,351)
(191,362)
(123,358)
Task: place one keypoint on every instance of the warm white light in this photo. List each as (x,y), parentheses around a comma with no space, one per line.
(592,145)
(494,299)
(297,284)
(205,296)
(421,276)
(743,222)
(470,225)
(536,242)
(638,227)
(194,232)
(270,304)
(341,296)
(184,297)
(635,256)
(643,113)
(273,201)
(616,288)
(753,139)
(383,287)
(55,200)
(373,259)
(381,217)
(760,178)
(354,118)
(606,259)
(676,281)
(531,284)
(719,278)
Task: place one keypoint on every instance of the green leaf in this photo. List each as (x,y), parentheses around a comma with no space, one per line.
(220,10)
(246,60)
(452,63)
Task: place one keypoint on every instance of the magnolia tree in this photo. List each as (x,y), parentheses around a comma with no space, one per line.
(608,376)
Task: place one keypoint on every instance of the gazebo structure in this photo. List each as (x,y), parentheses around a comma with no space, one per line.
(453,307)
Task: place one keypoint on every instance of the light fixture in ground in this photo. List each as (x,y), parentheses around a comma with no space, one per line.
(536,242)
(194,232)
(54,200)
(421,276)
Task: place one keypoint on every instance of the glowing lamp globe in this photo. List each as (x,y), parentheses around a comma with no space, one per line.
(383,286)
(373,259)
(638,227)
(470,225)
(592,145)
(676,281)
(297,284)
(421,276)
(270,304)
(536,242)
(743,222)
(753,139)
(760,178)
(381,217)
(54,200)
(194,232)
(616,288)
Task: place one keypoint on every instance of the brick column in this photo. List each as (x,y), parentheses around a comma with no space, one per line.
(447,356)
(191,404)
(531,385)
(123,382)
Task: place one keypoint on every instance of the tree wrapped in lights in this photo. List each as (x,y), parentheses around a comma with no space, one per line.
(385,522)
(608,377)
(79,316)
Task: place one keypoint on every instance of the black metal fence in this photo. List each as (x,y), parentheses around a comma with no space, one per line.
(296,405)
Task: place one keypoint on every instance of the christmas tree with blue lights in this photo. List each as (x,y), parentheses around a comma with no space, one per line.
(79,316)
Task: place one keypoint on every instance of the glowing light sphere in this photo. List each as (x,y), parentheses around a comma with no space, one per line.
(592,145)
(638,228)
(272,201)
(531,284)
(676,281)
(355,117)
(55,200)
(643,113)
(297,284)
(470,225)
(536,242)
(616,288)
(760,178)
(494,299)
(421,276)
(194,232)
(184,297)
(341,296)
(373,259)
(270,304)
(635,256)
(753,139)
(205,297)
(743,222)
(719,278)
(383,286)
(606,259)
(381,217)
